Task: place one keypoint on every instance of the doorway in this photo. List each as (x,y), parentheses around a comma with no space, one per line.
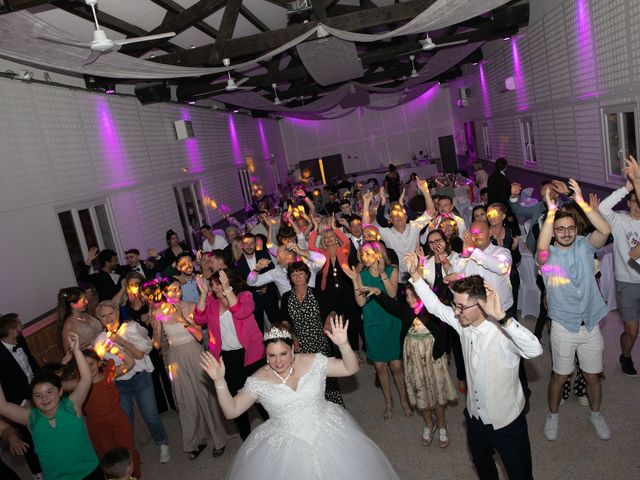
(191,210)
(448,154)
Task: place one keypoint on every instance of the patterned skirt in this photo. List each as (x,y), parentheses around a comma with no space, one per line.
(428,381)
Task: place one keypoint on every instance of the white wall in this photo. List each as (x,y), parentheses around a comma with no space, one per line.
(61,147)
(580,56)
(371,138)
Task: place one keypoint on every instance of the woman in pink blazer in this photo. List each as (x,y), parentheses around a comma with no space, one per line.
(226,307)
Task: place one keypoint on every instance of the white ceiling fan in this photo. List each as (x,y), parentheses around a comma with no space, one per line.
(276,100)
(428,44)
(101,44)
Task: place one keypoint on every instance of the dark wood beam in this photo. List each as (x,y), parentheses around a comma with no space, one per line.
(255,44)
(227,25)
(15,5)
(178,23)
(80,9)
(174,7)
(255,21)
(319,8)
(280,3)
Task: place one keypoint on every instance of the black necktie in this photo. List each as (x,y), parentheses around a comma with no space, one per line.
(15,348)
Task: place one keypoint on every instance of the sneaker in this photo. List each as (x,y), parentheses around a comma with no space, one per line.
(627,366)
(602,429)
(583,401)
(551,427)
(443,440)
(38,476)
(165,454)
(427,435)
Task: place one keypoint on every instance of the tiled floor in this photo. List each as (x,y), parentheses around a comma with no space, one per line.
(577,453)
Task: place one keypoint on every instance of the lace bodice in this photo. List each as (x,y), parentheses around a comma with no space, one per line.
(176,334)
(298,412)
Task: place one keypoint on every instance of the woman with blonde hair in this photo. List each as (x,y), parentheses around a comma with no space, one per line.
(381,329)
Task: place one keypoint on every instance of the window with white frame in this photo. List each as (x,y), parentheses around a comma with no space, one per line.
(619,127)
(85,226)
(191,211)
(486,141)
(528,145)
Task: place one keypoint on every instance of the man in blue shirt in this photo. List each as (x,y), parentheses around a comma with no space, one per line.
(575,304)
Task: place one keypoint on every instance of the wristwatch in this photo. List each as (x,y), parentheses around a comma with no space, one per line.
(503,321)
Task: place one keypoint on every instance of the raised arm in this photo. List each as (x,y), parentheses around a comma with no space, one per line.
(366,202)
(599,237)
(79,395)
(13,412)
(423,186)
(546,232)
(348,365)
(231,406)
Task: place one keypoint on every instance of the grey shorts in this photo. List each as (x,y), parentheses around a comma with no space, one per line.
(628,296)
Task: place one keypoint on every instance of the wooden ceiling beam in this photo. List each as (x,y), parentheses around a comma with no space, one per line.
(174,7)
(225,32)
(178,23)
(256,44)
(255,21)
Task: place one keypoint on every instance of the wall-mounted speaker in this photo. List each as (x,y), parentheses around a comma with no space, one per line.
(183,129)
(155,92)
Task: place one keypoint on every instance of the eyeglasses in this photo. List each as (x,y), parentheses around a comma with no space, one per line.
(571,229)
(460,308)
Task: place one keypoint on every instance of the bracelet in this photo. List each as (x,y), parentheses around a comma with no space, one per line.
(504,320)
(227,292)
(220,387)
(383,278)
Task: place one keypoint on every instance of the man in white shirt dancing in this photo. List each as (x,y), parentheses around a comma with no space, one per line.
(492,344)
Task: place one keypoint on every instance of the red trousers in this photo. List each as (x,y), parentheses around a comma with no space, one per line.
(112,431)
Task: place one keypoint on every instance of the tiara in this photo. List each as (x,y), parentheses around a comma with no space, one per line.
(276,333)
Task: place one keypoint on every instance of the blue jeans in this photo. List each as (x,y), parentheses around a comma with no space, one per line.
(140,386)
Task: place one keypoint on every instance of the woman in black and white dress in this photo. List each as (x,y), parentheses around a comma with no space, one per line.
(302,314)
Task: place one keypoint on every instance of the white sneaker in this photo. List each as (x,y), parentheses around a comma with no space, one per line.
(165,454)
(427,435)
(602,429)
(551,427)
(443,440)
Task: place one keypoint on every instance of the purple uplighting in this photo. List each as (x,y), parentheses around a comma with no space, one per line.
(586,68)
(235,143)
(191,146)
(116,160)
(521,93)
(486,101)
(263,141)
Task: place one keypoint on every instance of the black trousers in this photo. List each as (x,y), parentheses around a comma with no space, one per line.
(453,346)
(543,316)
(236,374)
(6,473)
(511,442)
(266,303)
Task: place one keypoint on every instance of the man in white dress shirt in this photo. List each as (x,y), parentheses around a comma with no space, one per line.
(493,343)
(211,241)
(278,275)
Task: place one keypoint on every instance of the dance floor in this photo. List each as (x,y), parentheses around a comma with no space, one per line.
(577,453)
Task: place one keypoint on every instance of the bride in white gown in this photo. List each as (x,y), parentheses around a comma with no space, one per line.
(306,437)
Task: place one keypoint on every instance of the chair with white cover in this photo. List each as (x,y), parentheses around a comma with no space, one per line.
(526,194)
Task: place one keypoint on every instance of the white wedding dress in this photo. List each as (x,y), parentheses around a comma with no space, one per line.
(306,437)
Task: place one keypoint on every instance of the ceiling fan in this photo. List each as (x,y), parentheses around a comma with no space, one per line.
(101,44)
(428,44)
(276,99)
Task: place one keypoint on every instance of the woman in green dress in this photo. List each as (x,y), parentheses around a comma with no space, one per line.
(381,329)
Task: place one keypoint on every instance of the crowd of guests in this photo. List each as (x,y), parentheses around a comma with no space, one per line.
(418,286)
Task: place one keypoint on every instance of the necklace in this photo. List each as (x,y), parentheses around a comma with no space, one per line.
(283,380)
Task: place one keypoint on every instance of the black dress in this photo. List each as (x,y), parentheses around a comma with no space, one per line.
(337,296)
(307,324)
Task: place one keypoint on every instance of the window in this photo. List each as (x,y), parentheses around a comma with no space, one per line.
(86,226)
(245,186)
(486,141)
(619,125)
(191,210)
(528,146)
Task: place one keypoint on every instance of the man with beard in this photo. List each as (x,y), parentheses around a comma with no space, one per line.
(18,367)
(575,304)
(187,279)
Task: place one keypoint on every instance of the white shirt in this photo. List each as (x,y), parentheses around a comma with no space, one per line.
(21,357)
(219,243)
(139,269)
(494,265)
(278,275)
(137,335)
(404,242)
(626,235)
(492,358)
(115,277)
(228,332)
(251,261)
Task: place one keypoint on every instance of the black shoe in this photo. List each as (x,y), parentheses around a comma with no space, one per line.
(627,366)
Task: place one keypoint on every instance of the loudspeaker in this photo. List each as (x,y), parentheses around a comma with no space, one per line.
(183,129)
(153,93)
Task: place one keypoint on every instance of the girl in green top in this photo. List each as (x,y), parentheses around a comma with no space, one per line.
(56,424)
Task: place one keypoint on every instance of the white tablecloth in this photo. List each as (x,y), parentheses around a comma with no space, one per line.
(529,294)
(607,279)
